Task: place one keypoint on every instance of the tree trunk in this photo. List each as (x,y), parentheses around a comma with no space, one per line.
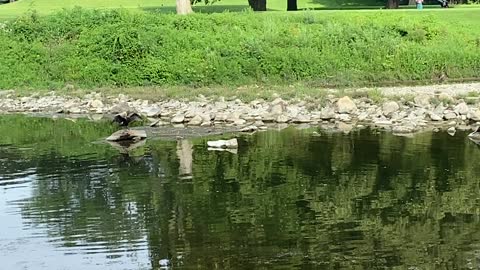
(184,7)
(258,5)
(392,4)
(292,5)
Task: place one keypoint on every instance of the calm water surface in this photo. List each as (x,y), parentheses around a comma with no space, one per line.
(286,200)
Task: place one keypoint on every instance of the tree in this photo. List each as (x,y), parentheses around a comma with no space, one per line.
(258,5)
(184,7)
(291,5)
(391,4)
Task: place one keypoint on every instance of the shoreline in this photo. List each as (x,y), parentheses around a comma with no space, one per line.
(403,110)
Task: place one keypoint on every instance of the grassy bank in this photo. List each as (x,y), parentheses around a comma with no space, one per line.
(118,48)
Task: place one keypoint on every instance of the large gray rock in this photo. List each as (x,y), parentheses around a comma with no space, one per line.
(196,121)
(462,109)
(178,119)
(96,104)
(327,113)
(390,107)
(282,119)
(449,115)
(121,107)
(435,117)
(127,134)
(346,105)
(302,119)
(422,100)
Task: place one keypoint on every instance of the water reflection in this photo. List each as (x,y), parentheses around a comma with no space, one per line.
(286,200)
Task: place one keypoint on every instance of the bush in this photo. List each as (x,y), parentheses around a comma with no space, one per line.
(118,48)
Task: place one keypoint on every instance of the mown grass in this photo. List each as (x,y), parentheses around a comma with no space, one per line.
(121,49)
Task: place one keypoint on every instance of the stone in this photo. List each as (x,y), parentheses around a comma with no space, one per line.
(158,123)
(239,122)
(277,109)
(178,119)
(259,123)
(462,108)
(451,131)
(231,144)
(346,105)
(383,122)
(434,117)
(390,107)
(96,104)
(206,124)
(302,119)
(422,100)
(220,106)
(151,111)
(282,119)
(221,117)
(474,115)
(445,97)
(449,115)
(121,107)
(344,117)
(327,113)
(362,116)
(195,121)
(127,134)
(232,117)
(249,129)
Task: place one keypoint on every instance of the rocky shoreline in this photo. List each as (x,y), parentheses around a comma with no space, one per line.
(401,115)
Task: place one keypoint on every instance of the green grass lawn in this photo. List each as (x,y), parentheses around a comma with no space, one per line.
(43,7)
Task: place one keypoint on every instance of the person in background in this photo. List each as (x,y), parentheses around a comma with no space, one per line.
(419,4)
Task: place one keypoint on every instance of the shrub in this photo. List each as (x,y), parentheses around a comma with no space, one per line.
(92,48)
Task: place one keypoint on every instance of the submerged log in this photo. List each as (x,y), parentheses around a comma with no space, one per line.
(127,134)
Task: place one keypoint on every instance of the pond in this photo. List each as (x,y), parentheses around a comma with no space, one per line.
(288,199)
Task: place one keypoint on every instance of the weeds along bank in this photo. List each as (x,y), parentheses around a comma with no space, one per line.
(118,48)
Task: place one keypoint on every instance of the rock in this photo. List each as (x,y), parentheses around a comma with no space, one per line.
(282,119)
(232,117)
(158,123)
(302,119)
(249,129)
(121,107)
(96,104)
(196,121)
(221,106)
(346,105)
(277,109)
(422,100)
(345,128)
(434,117)
(268,117)
(449,115)
(362,116)
(151,111)
(474,115)
(206,124)
(390,107)
(178,119)
(344,117)
(451,131)
(439,109)
(445,97)
(462,108)
(383,122)
(239,122)
(127,134)
(259,123)
(327,113)
(231,144)
(221,117)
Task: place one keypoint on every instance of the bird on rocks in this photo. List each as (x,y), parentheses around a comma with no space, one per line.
(124,119)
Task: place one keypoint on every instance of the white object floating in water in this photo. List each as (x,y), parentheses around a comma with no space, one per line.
(164,262)
(230,144)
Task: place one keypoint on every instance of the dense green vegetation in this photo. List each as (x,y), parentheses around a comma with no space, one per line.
(118,48)
(362,200)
